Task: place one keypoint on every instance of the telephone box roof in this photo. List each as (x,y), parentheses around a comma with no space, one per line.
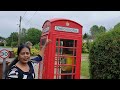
(60,19)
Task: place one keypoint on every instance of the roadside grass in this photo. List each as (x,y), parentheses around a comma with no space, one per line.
(85,66)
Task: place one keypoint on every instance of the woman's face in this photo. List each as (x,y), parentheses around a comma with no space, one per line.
(24,55)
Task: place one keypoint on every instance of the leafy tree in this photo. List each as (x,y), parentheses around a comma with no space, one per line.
(117,26)
(102,29)
(12,38)
(14,44)
(23,35)
(33,35)
(95,31)
(1,38)
(85,36)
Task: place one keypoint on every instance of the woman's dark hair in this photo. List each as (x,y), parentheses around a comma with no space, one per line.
(16,59)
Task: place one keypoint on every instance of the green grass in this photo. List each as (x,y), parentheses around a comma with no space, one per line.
(85,54)
(85,68)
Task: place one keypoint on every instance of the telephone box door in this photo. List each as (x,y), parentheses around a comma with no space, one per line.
(66,63)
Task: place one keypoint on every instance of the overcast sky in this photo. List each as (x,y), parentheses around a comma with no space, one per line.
(9,20)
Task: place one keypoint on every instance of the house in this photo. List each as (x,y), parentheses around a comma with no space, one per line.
(85,40)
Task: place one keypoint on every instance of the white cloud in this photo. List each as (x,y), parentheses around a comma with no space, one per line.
(10,19)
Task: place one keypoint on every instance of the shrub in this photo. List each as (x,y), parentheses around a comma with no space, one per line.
(37,46)
(84,48)
(104,56)
(1,44)
(15,51)
(34,51)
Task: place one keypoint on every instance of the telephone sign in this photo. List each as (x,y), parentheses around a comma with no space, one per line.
(4,53)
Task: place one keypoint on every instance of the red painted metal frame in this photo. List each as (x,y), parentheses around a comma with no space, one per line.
(50,52)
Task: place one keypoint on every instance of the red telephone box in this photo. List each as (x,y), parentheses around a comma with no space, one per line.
(62,56)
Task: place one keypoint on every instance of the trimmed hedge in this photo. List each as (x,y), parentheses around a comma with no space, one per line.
(104,56)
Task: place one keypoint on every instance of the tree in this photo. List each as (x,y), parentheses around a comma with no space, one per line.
(94,30)
(33,35)
(102,29)
(12,38)
(117,26)
(85,36)
(1,38)
(86,45)
(23,35)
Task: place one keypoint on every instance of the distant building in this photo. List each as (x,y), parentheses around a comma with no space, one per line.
(85,40)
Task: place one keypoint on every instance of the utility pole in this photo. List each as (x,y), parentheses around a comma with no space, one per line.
(19,35)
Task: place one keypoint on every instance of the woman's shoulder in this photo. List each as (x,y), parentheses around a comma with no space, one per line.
(13,72)
(14,68)
(31,64)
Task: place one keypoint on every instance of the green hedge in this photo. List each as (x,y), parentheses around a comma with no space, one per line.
(104,56)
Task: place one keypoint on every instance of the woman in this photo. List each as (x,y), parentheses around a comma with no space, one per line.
(22,66)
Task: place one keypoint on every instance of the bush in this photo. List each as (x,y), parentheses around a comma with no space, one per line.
(37,46)
(15,51)
(34,51)
(104,56)
(1,44)
(84,48)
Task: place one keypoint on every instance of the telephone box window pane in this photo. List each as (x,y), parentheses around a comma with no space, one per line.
(57,42)
(74,61)
(66,76)
(57,62)
(65,59)
(57,51)
(66,43)
(68,51)
(61,43)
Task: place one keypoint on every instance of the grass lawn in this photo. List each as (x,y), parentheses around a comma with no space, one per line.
(85,54)
(85,67)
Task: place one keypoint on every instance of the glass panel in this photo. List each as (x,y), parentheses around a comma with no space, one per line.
(65,59)
(75,43)
(66,43)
